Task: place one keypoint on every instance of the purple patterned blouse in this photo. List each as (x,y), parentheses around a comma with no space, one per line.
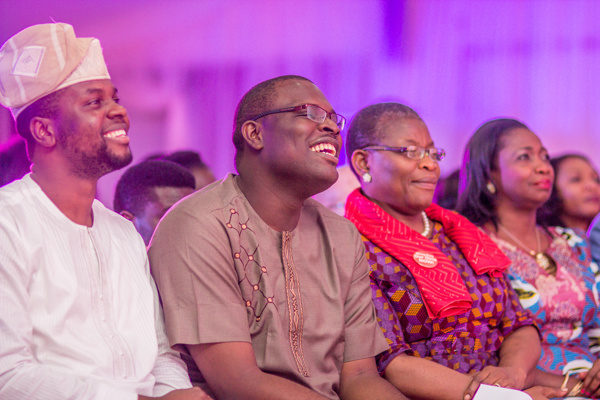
(465,342)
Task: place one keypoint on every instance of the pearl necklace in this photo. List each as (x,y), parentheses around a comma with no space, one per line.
(542,259)
(426,225)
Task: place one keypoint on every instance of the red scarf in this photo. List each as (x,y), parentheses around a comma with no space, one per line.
(443,290)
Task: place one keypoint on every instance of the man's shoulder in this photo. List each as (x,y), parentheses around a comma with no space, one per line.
(200,213)
(207,200)
(112,220)
(16,199)
(15,192)
(341,229)
(318,210)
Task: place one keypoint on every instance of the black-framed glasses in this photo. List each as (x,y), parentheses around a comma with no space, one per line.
(413,152)
(313,112)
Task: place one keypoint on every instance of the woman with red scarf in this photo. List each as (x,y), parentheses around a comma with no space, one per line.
(442,301)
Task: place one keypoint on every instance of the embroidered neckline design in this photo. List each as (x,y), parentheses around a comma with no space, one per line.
(251,264)
(294,300)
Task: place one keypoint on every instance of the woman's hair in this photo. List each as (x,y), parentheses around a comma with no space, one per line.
(364,127)
(475,201)
(550,213)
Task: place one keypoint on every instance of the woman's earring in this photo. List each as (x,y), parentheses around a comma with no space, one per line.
(366,177)
(490,187)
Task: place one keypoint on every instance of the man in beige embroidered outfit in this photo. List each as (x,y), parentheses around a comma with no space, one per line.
(265,288)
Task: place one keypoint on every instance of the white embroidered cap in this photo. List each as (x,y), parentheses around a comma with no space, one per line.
(45,58)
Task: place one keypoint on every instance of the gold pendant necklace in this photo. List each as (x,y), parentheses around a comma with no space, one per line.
(542,259)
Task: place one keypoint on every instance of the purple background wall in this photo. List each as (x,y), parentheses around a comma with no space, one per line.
(181,66)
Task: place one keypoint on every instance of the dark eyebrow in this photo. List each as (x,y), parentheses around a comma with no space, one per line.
(316,105)
(528,148)
(100,91)
(414,143)
(94,91)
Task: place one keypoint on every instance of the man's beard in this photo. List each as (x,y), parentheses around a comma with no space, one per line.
(94,162)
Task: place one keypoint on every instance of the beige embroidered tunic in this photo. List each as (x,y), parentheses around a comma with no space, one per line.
(301,298)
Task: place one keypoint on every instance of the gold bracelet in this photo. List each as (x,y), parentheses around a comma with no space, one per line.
(576,389)
(563,387)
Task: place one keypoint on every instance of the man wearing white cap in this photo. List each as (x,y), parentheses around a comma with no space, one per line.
(79,313)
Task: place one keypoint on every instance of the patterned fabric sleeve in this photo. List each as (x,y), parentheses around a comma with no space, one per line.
(515,316)
(389,324)
(591,307)
(594,238)
(594,235)
(594,330)
(582,248)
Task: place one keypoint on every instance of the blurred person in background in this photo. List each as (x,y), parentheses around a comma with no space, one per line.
(147,190)
(192,161)
(446,191)
(575,198)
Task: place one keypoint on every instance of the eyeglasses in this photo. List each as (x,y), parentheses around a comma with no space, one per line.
(313,112)
(413,152)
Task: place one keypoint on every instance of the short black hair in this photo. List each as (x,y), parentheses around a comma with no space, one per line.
(481,154)
(45,107)
(550,213)
(258,99)
(133,190)
(186,158)
(364,129)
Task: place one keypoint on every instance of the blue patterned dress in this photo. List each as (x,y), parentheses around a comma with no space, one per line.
(565,307)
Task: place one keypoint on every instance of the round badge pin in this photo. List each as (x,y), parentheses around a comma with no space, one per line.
(425,260)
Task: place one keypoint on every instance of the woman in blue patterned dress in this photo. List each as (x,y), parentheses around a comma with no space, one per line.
(505,178)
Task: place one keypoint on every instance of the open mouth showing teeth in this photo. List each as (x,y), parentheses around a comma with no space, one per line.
(324,148)
(115,134)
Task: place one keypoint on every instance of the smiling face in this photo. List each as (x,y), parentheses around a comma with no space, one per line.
(523,176)
(399,184)
(578,187)
(92,129)
(298,151)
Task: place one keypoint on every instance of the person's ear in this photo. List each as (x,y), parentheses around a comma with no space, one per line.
(43,131)
(253,134)
(360,162)
(493,181)
(128,215)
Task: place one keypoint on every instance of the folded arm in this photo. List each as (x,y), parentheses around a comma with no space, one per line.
(520,353)
(419,378)
(231,371)
(360,380)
